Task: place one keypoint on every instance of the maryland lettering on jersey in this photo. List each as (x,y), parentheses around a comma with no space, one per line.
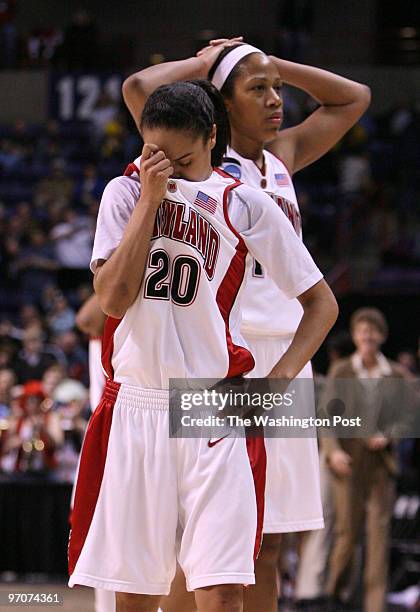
(196,231)
(289,210)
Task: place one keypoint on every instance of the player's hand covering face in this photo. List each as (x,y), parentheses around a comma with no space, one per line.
(155,170)
(188,155)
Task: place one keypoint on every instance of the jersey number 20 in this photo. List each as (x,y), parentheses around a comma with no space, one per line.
(177,282)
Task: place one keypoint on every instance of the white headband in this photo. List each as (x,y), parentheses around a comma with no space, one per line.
(229,62)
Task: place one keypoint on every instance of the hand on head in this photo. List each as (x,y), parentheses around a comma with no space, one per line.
(210,53)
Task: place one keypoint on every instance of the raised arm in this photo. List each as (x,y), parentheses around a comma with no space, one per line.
(342,101)
(138,86)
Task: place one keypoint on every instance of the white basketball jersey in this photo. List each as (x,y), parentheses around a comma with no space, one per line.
(185,321)
(265,308)
(181,324)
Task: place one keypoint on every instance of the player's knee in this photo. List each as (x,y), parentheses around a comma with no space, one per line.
(223,598)
(229,598)
(133,602)
(270,550)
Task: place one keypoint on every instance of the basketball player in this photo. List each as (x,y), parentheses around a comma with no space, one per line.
(169,263)
(251,85)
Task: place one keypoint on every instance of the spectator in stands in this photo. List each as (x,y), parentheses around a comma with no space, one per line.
(34,358)
(355,173)
(105,111)
(7,352)
(75,356)
(33,436)
(7,382)
(72,239)
(30,316)
(56,189)
(71,400)
(11,155)
(90,186)
(48,145)
(61,317)
(52,377)
(35,266)
(363,469)
(408,364)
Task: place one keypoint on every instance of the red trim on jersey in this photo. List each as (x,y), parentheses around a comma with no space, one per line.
(255,447)
(130,169)
(110,326)
(227,175)
(225,203)
(91,470)
(240,359)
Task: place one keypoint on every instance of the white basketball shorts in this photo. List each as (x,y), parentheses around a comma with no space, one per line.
(292,494)
(144,500)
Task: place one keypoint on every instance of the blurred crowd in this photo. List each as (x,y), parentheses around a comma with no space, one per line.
(51,182)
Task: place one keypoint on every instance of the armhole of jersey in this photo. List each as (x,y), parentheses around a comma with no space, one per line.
(283,162)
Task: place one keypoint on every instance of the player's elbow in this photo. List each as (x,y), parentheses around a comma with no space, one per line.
(320,302)
(364,96)
(131,83)
(332,309)
(328,304)
(113,297)
(134,95)
(113,308)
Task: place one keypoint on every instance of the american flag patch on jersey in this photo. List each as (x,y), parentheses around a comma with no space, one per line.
(281,179)
(205,201)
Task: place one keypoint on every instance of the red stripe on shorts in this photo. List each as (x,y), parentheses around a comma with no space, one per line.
(258,460)
(91,470)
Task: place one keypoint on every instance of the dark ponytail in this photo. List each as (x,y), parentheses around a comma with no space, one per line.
(221,120)
(193,106)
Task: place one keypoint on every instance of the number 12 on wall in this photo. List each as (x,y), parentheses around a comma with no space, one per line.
(75,96)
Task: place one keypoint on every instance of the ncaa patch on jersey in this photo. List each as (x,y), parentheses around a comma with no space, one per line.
(172,187)
(232,169)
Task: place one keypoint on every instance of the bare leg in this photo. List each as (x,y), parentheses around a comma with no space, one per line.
(179,599)
(220,598)
(133,602)
(263,595)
